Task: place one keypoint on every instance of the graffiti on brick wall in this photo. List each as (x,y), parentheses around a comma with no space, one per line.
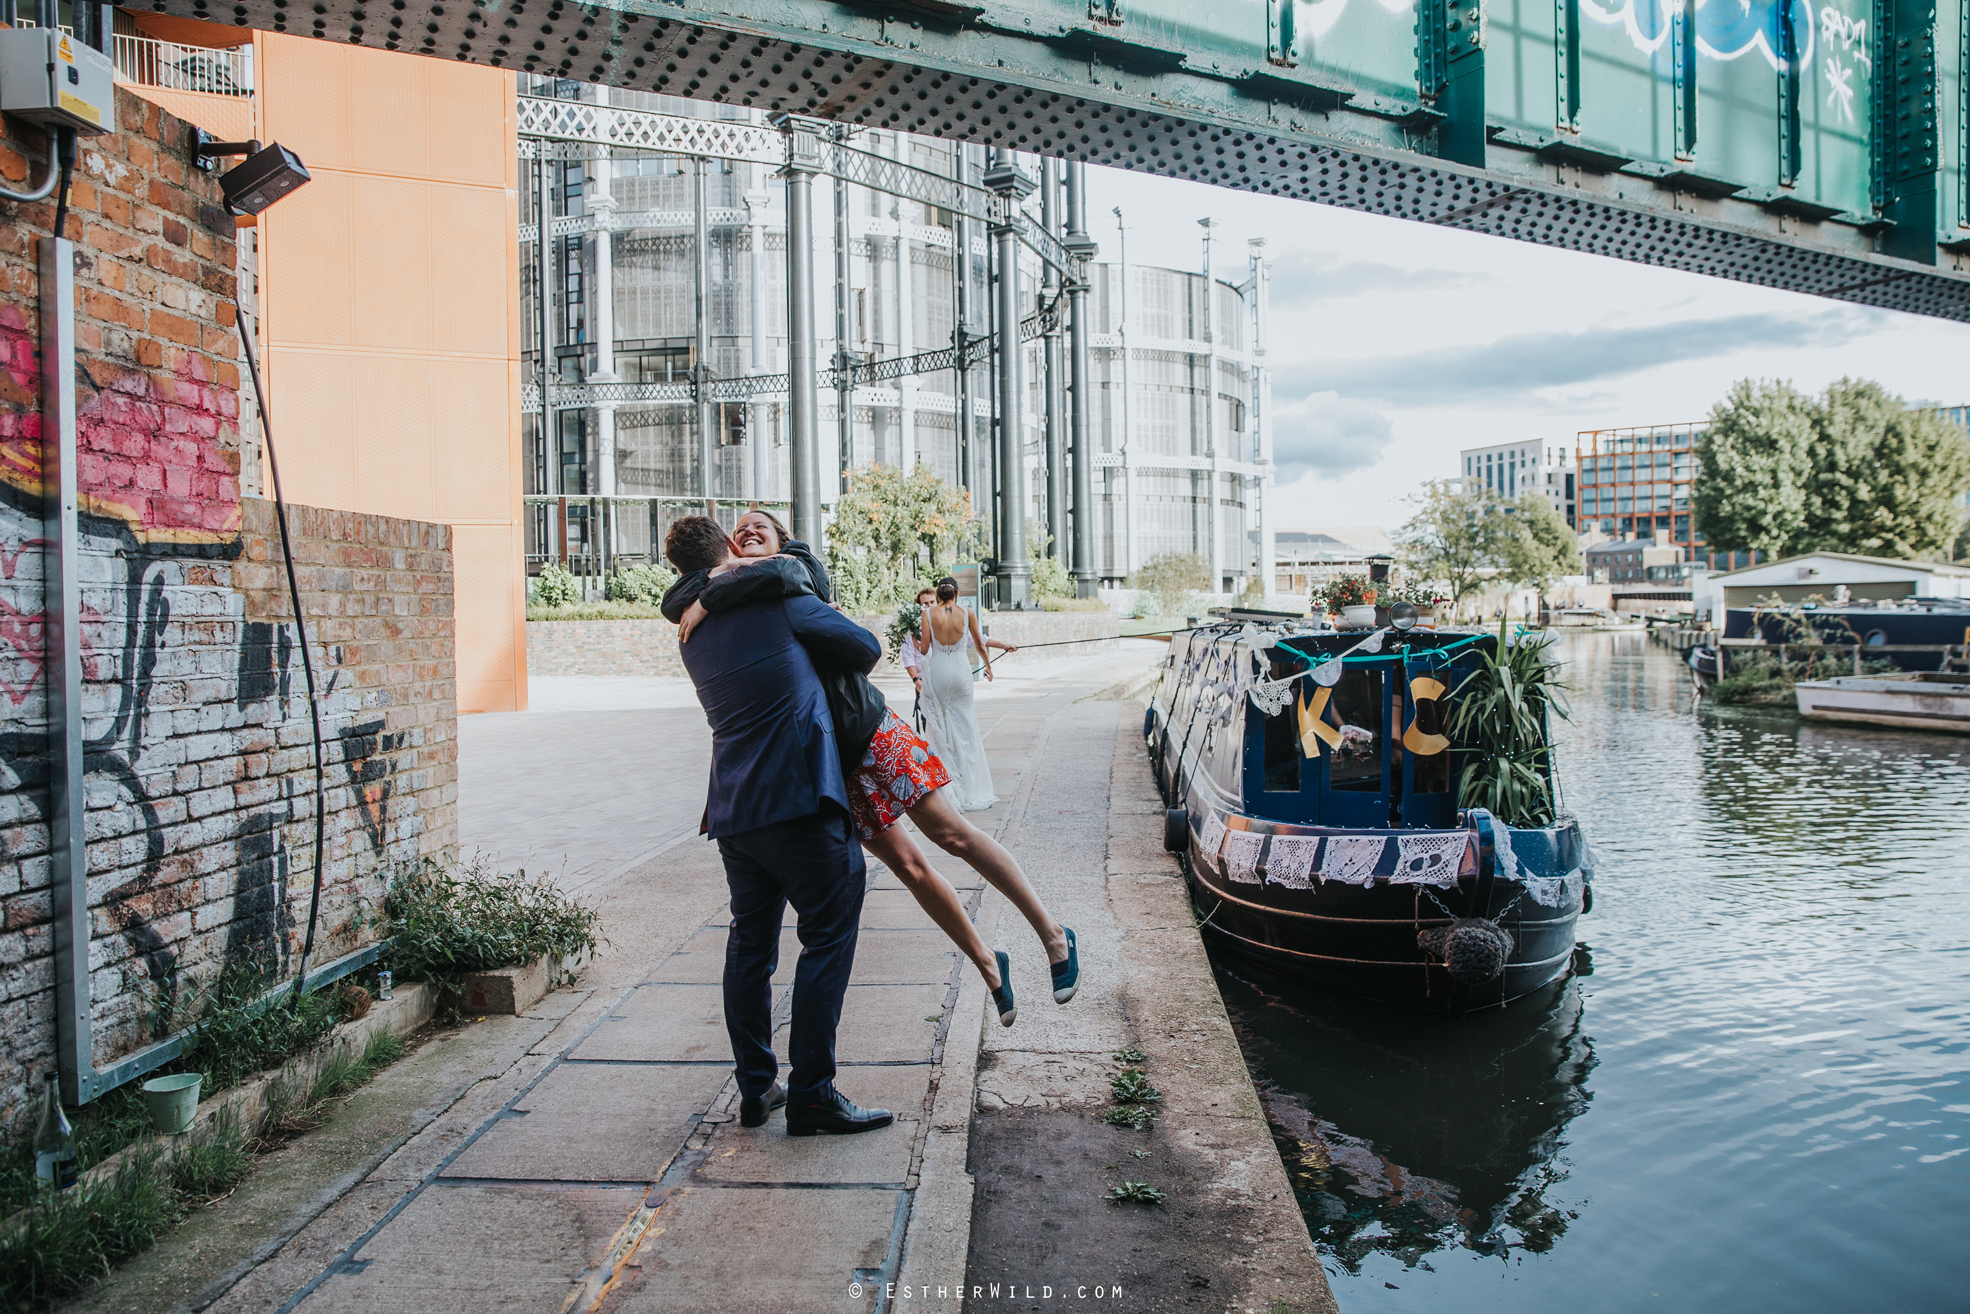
(193,770)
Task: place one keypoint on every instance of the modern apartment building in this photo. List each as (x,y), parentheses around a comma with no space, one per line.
(1512,470)
(1635,484)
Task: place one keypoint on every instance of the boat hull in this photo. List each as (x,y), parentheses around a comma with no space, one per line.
(1363,942)
(1922,702)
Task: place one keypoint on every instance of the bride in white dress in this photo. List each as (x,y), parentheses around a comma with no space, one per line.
(951,723)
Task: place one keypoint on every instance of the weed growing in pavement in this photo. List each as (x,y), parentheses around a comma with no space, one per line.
(1132,1087)
(450,921)
(1132,1116)
(301,1101)
(1136,1193)
(1130,1056)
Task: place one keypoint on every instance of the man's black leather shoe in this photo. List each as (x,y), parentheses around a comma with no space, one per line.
(833,1113)
(754,1109)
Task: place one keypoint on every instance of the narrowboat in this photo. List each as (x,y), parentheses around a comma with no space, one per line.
(1911,700)
(1311,786)
(1937,626)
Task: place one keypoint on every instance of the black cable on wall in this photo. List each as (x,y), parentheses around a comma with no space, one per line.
(300,625)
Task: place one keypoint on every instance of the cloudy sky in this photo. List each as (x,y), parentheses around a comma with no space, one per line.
(1395,344)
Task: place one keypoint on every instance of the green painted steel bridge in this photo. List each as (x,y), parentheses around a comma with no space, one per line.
(1818,149)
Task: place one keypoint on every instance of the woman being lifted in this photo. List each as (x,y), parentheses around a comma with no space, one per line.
(890,769)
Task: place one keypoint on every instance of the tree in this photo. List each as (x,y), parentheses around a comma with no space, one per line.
(1172,581)
(1753,459)
(1455,537)
(894,530)
(1538,546)
(1854,470)
(1885,480)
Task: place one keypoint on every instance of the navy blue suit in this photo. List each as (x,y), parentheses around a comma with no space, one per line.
(778,807)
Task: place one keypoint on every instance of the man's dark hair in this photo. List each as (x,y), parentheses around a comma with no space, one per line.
(695,543)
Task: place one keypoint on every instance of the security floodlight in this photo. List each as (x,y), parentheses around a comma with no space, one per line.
(267,175)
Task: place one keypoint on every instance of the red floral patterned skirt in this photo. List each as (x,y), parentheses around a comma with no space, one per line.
(896,773)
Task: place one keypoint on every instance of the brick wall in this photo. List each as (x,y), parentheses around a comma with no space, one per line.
(199,770)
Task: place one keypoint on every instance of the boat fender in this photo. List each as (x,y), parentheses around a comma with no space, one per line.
(1586,899)
(1473,949)
(1176,830)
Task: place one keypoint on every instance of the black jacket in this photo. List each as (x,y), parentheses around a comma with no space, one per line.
(856,705)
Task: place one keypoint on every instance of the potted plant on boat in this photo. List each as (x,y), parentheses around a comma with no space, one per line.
(1417,593)
(1351,597)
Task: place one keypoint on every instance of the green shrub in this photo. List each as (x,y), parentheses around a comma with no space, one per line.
(641,584)
(553,587)
(590,611)
(1050,578)
(1072,604)
(450,922)
(1170,584)
(1755,680)
(1501,713)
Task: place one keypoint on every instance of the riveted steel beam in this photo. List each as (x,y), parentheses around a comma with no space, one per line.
(1192,91)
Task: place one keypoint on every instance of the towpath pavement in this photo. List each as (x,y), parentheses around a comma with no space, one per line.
(588,1154)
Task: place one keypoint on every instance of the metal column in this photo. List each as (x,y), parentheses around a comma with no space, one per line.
(960,335)
(1214,497)
(68,855)
(1054,446)
(701,345)
(1080,381)
(758,482)
(803,392)
(844,363)
(550,429)
(1015,572)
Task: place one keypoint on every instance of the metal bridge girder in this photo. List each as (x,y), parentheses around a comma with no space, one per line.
(1206,92)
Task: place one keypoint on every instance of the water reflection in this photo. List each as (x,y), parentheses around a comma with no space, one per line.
(1424,1137)
(1759,1100)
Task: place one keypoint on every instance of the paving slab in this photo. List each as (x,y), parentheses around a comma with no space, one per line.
(894,957)
(552,1132)
(768,1155)
(480,1247)
(889,1024)
(702,959)
(663,1024)
(711,1250)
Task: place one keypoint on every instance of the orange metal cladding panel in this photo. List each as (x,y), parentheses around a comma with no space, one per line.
(229,118)
(400,261)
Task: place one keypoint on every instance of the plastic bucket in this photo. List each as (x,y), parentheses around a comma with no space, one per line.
(173,1101)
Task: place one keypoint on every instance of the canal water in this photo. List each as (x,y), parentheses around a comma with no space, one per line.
(1753,1094)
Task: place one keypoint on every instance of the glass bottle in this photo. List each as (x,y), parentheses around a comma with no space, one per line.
(54,1141)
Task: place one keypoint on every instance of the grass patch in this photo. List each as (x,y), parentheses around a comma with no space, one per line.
(211,1160)
(1136,1193)
(449,922)
(586,611)
(69,1239)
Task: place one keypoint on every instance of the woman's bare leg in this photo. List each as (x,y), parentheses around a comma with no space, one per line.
(944,826)
(898,852)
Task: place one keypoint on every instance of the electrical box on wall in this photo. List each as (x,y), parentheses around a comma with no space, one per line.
(50,78)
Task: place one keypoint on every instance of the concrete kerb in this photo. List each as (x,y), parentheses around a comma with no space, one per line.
(1170,994)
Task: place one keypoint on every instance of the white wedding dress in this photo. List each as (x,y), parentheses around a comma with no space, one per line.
(951,724)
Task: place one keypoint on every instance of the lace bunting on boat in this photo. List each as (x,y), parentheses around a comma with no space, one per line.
(1213,838)
(1272,697)
(1351,859)
(1241,856)
(1429,859)
(1291,861)
(1555,891)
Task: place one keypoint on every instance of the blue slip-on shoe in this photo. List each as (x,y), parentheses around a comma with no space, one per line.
(1002,997)
(1067,975)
